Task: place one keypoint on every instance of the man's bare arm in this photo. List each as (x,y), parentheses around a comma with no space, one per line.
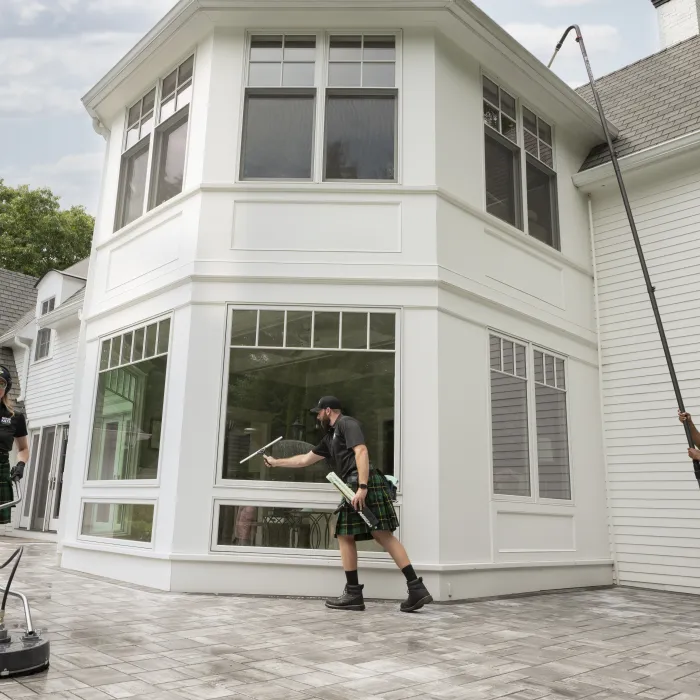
(297,462)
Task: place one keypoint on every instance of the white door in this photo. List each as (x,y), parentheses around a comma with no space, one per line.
(44,464)
(29,477)
(56,479)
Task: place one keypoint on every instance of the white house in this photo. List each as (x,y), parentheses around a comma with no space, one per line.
(370,199)
(653,495)
(44,345)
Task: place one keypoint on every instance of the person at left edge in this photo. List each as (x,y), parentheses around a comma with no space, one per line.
(13,433)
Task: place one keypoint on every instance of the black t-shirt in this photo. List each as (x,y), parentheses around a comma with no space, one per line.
(11,427)
(338,444)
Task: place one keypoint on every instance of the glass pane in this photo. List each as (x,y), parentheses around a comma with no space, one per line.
(501,181)
(299,329)
(495,353)
(509,434)
(531,144)
(298,74)
(104,354)
(134,115)
(540,205)
(151,338)
(278,137)
(128,416)
(266,48)
(186,70)
(271,329)
(507,104)
(360,138)
(561,374)
(546,155)
(134,185)
(116,352)
(265,74)
(118,521)
(379,75)
(127,344)
(491,92)
(287,528)
(545,132)
(520,361)
(552,443)
(509,129)
(346,48)
(167,108)
(300,48)
(184,96)
(132,137)
(170,167)
(163,336)
(539,367)
(243,327)
(380,48)
(60,471)
(147,124)
(529,121)
(169,84)
(139,336)
(508,357)
(382,331)
(43,470)
(490,116)
(354,331)
(149,102)
(326,329)
(33,454)
(549,370)
(270,393)
(345,74)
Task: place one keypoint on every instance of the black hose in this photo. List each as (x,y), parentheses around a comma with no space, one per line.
(18,553)
(651,290)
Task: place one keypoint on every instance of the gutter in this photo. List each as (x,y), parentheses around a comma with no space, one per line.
(62,313)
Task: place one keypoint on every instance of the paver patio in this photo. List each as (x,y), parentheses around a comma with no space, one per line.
(112,640)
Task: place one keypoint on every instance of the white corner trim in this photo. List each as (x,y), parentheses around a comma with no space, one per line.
(590,179)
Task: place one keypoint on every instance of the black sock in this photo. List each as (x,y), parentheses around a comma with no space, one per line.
(351,576)
(409,573)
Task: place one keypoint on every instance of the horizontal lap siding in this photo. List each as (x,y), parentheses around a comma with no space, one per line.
(654,497)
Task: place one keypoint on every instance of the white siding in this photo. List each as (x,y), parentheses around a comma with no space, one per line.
(678,21)
(49,391)
(653,494)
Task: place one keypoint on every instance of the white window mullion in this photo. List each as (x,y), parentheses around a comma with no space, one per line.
(322,42)
(532,425)
(151,149)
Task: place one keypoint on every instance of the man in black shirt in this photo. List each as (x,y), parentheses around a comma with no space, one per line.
(343,445)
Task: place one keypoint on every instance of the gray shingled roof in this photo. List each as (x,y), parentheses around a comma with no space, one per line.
(652,101)
(17,295)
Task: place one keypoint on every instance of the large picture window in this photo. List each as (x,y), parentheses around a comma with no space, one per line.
(291,111)
(129,522)
(519,148)
(155,142)
(129,405)
(282,361)
(523,401)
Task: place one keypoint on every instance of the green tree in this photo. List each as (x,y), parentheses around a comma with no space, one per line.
(36,235)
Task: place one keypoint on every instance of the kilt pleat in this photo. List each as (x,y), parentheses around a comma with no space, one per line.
(379,502)
(6,493)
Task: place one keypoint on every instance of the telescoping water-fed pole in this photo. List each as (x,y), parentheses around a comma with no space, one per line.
(633,226)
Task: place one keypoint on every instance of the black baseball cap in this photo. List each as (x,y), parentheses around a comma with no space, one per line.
(327,402)
(5,374)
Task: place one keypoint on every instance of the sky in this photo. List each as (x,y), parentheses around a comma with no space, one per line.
(53,51)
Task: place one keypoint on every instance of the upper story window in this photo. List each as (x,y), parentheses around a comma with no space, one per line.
(48,306)
(153,160)
(43,344)
(508,164)
(351,92)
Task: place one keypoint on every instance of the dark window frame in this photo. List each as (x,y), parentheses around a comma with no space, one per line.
(518,176)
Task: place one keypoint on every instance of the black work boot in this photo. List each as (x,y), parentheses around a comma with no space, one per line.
(350,600)
(418,596)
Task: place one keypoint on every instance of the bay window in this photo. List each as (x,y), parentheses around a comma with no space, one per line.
(155,142)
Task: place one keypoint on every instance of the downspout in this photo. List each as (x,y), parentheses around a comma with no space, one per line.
(611,527)
(25,370)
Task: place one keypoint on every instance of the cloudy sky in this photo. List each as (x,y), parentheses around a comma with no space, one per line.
(52,51)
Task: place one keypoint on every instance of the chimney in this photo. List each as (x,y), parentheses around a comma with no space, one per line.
(678,20)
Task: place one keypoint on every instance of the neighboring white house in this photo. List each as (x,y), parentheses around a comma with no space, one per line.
(653,495)
(371,199)
(44,343)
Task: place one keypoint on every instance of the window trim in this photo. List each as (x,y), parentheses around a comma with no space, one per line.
(520,105)
(305,490)
(321,88)
(534,498)
(520,202)
(47,302)
(109,542)
(49,350)
(118,224)
(128,483)
(554,191)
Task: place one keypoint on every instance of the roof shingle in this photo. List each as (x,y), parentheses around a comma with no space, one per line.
(17,296)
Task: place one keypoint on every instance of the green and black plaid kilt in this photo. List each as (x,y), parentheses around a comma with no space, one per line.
(378,501)
(6,493)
